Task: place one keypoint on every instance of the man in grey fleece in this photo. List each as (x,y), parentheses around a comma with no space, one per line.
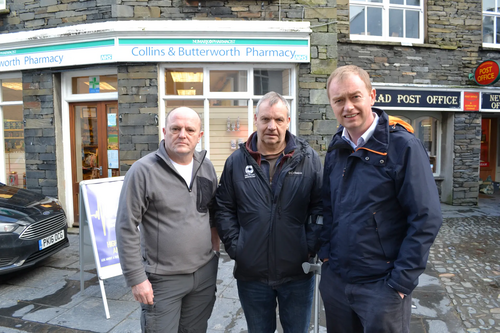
(166,240)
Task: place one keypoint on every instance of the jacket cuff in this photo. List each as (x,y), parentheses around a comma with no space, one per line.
(396,286)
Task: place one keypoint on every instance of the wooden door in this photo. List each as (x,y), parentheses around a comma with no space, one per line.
(94,144)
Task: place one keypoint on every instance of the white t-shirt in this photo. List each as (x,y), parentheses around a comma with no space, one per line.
(186,171)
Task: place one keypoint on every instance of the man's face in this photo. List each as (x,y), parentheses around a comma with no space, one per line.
(182,134)
(272,123)
(351,102)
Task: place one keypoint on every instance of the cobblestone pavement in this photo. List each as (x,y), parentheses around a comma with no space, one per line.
(466,254)
(458,293)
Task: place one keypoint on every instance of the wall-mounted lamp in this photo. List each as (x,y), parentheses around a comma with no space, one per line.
(199,5)
(156,119)
(120,118)
(52,121)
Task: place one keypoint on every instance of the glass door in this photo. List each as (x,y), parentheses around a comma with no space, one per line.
(94,143)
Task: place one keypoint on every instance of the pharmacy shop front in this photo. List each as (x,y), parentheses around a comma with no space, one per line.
(87,101)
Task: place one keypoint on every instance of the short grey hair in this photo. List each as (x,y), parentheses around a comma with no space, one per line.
(273,98)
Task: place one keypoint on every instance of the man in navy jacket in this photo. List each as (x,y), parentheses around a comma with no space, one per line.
(268,212)
(381,212)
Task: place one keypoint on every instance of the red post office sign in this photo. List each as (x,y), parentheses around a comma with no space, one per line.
(487,73)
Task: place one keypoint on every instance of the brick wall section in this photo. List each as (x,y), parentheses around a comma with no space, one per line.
(39,132)
(467,149)
(137,107)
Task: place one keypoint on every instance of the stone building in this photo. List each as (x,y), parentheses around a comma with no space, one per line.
(86,84)
(422,56)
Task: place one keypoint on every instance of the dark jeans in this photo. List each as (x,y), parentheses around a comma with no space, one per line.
(258,301)
(363,308)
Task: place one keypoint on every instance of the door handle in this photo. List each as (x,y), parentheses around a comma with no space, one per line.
(100,170)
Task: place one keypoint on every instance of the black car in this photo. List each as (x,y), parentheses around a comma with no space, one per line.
(32,228)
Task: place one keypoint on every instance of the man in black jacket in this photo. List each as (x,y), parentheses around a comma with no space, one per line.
(268,216)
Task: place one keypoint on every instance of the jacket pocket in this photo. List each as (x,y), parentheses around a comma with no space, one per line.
(204,195)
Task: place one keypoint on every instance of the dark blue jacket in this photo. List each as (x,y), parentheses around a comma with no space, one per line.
(270,230)
(381,207)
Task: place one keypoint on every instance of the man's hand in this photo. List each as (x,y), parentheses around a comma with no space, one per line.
(143,292)
(215,239)
(401,294)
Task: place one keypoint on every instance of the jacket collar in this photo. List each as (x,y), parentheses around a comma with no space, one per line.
(378,142)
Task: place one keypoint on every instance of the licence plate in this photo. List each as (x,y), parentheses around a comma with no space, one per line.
(50,240)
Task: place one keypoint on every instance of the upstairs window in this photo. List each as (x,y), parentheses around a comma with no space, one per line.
(387,20)
(491,23)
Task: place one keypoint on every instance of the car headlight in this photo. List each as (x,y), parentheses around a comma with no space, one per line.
(8,227)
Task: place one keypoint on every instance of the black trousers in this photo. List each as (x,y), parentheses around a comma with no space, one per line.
(363,308)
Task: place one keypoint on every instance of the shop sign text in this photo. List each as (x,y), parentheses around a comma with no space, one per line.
(417,99)
(487,73)
(490,101)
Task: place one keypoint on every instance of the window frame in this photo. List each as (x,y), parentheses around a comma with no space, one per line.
(207,95)
(386,6)
(495,15)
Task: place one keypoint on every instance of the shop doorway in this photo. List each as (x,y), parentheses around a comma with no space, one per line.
(488,149)
(94,144)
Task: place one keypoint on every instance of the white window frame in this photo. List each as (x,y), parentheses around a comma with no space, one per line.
(207,95)
(415,116)
(13,75)
(385,5)
(495,16)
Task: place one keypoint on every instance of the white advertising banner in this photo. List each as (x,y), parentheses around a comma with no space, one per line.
(156,50)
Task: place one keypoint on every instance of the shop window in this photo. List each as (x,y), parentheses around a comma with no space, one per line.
(184,81)
(94,84)
(13,132)
(265,80)
(491,23)
(228,81)
(426,129)
(386,20)
(227,104)
(12,90)
(228,128)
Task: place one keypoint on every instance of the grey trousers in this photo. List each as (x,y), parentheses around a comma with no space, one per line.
(182,303)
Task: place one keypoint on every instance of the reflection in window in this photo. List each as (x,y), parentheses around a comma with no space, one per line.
(426,131)
(491,22)
(184,81)
(386,20)
(228,81)
(12,90)
(228,128)
(266,80)
(94,84)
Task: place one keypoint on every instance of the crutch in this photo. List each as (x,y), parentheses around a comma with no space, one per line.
(316,269)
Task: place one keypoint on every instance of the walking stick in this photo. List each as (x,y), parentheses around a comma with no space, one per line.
(316,269)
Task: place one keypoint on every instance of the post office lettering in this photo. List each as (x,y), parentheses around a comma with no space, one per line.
(409,99)
(447,100)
